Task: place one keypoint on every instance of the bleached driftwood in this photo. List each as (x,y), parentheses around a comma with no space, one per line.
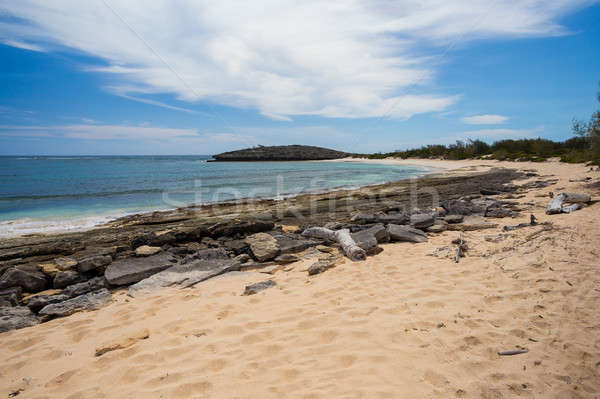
(556,204)
(571,208)
(342,237)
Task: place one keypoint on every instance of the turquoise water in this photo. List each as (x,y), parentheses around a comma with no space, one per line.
(43,193)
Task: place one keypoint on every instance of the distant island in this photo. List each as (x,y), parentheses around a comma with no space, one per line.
(280,153)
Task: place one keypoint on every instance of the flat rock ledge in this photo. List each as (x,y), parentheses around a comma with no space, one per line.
(90,301)
(132,270)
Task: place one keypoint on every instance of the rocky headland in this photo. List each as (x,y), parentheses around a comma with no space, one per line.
(280,153)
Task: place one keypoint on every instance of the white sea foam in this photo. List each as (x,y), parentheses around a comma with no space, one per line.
(21,227)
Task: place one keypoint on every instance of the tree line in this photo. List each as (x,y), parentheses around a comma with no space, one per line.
(583,147)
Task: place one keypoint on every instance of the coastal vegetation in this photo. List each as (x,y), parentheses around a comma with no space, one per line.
(583,147)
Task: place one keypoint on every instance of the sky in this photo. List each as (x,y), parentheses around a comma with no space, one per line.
(134,77)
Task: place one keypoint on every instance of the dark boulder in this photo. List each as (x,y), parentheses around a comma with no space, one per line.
(367,241)
(463,206)
(257,287)
(321,266)
(439,227)
(93,263)
(422,220)
(178,251)
(406,233)
(286,258)
(13,318)
(10,296)
(454,218)
(66,278)
(236,246)
(243,228)
(132,270)
(29,280)
(370,218)
(380,232)
(90,301)
(206,254)
(93,284)
(496,210)
(38,302)
(291,244)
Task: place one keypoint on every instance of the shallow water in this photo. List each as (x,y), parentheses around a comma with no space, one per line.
(56,193)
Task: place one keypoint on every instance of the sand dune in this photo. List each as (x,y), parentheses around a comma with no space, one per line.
(407,323)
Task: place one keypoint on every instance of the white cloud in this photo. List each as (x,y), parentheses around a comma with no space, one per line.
(23,45)
(345,59)
(486,119)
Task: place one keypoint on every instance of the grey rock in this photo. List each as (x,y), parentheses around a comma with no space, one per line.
(232,228)
(321,266)
(369,218)
(10,296)
(66,278)
(454,218)
(93,284)
(255,288)
(178,251)
(147,250)
(367,241)
(210,242)
(65,263)
(496,210)
(422,221)
(29,280)
(263,246)
(242,258)
(93,263)
(132,270)
(406,233)
(380,232)
(206,254)
(38,302)
(286,258)
(236,246)
(463,206)
(90,301)
(289,244)
(185,275)
(438,228)
(13,318)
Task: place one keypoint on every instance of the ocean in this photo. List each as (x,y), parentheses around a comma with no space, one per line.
(49,194)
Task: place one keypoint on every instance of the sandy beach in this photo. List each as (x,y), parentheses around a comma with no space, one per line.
(406,323)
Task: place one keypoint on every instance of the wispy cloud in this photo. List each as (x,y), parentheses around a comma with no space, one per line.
(342,59)
(486,119)
(23,45)
(99,132)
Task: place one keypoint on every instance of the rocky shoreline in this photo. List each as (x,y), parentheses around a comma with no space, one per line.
(44,277)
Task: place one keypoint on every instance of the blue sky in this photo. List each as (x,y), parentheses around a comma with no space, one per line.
(205,77)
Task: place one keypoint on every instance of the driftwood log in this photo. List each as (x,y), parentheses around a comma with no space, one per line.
(556,204)
(342,237)
(459,250)
(513,352)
